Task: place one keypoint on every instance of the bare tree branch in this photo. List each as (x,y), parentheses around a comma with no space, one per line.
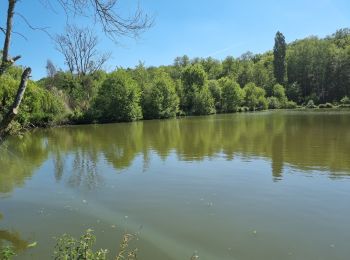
(104,12)
(79,48)
(20,34)
(43,29)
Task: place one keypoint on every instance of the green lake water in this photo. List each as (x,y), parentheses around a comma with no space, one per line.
(269,185)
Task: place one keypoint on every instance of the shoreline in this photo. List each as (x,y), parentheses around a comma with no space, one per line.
(304,109)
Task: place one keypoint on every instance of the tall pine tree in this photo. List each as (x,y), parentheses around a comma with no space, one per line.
(279,54)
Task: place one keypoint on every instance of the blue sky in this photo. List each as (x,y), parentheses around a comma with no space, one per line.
(198,28)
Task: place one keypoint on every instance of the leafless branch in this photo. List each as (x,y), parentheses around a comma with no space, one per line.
(43,29)
(79,48)
(18,33)
(104,12)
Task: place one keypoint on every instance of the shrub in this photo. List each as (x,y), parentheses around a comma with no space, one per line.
(255,97)
(293,92)
(278,91)
(311,104)
(118,99)
(68,247)
(204,102)
(6,253)
(232,95)
(345,100)
(216,92)
(243,109)
(262,103)
(273,103)
(40,107)
(159,98)
(193,78)
(291,105)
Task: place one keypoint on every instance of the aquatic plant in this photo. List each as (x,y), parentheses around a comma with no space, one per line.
(7,253)
(124,252)
(70,248)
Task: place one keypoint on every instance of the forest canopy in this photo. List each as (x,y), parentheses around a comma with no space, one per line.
(309,72)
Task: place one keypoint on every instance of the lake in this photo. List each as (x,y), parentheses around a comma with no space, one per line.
(269,185)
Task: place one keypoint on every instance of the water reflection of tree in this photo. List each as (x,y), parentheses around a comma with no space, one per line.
(13,239)
(19,157)
(84,172)
(292,139)
(59,162)
(297,139)
(277,147)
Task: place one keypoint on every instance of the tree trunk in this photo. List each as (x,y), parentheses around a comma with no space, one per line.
(9,22)
(10,115)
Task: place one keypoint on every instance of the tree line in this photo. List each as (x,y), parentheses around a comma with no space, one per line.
(104,13)
(308,72)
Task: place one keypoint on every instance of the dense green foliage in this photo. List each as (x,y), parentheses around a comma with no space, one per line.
(159,98)
(255,97)
(232,95)
(194,78)
(203,102)
(118,99)
(279,54)
(70,248)
(278,98)
(309,69)
(7,253)
(40,107)
(310,104)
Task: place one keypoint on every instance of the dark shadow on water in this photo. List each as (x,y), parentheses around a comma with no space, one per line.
(13,239)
